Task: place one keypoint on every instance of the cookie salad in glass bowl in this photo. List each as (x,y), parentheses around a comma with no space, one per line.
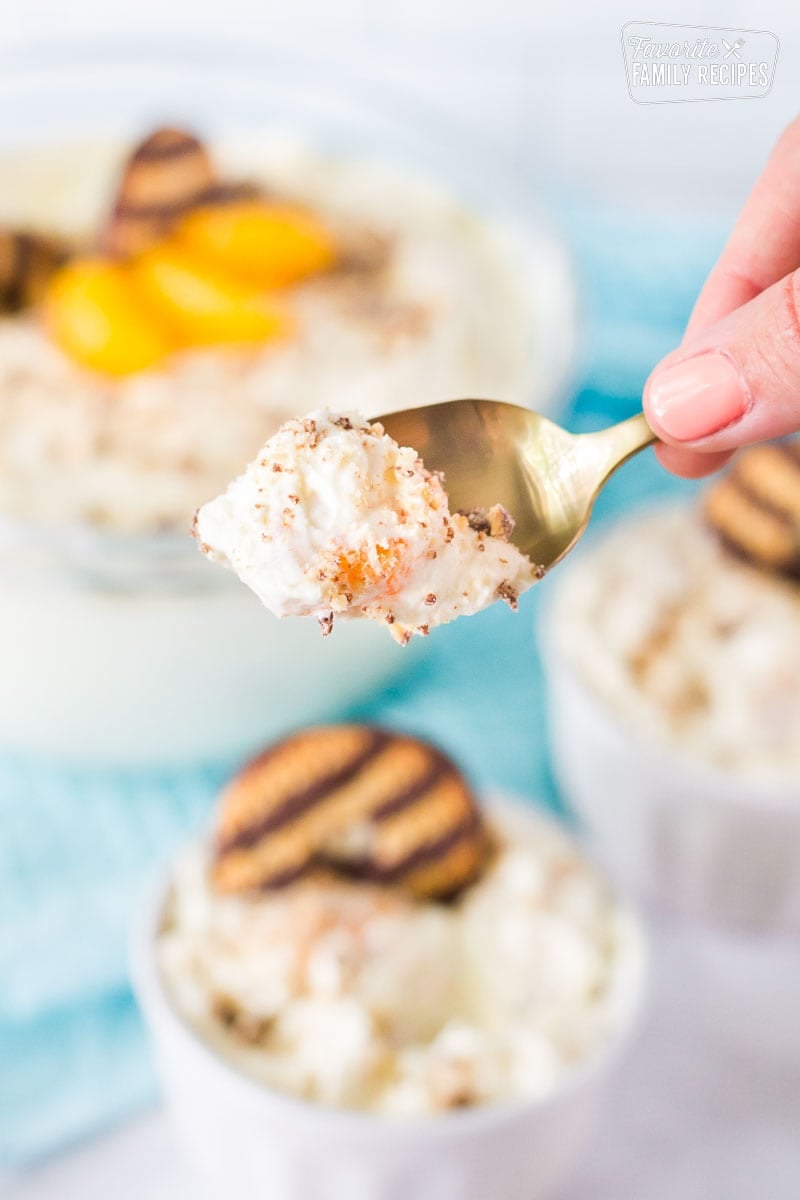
(170,294)
(363,958)
(673,655)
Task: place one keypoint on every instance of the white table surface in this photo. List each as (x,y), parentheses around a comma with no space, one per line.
(706,1107)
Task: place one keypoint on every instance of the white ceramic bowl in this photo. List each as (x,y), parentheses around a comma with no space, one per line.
(688,839)
(114,652)
(248,1141)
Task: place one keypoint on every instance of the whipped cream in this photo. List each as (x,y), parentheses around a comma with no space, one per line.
(691,646)
(315,989)
(334,519)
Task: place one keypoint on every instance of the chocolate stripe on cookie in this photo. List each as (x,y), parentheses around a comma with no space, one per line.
(154,212)
(414,792)
(768,476)
(12,271)
(223,193)
(27,260)
(762,503)
(167,144)
(428,852)
(300,802)
(753,529)
(283,878)
(755,509)
(231,192)
(166,174)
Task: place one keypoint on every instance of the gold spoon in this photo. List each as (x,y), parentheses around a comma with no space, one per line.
(496,453)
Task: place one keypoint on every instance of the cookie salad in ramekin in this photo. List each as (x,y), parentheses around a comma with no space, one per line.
(673,658)
(367,983)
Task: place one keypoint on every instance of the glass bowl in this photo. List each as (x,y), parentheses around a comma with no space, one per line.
(133,649)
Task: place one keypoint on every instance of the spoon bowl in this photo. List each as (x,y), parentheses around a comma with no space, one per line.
(491,452)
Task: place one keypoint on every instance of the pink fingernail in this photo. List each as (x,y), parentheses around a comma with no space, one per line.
(698,397)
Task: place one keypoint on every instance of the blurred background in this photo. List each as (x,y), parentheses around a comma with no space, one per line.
(633,204)
(542,84)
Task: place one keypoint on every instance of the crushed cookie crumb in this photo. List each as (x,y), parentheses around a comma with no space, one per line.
(309,426)
(539,571)
(342,422)
(276,467)
(224,1009)
(294,499)
(247,1026)
(506,591)
(451,533)
(501,523)
(390,618)
(252,1029)
(430,598)
(326,624)
(476,518)
(424,630)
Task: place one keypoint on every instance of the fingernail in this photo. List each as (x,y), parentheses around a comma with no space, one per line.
(697,397)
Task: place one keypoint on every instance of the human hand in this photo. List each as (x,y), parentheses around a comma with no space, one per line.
(735,378)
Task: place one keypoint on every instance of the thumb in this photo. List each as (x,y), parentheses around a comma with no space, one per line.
(735,383)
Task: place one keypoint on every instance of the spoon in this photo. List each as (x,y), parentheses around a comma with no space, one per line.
(496,453)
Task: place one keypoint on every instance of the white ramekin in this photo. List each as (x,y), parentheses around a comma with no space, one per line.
(689,840)
(245,1140)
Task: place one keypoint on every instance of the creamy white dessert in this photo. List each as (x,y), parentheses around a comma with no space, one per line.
(690,646)
(426,301)
(334,519)
(315,989)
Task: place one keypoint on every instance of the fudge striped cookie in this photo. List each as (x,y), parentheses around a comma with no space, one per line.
(356,799)
(755,507)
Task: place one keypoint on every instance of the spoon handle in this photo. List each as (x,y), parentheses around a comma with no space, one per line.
(612,447)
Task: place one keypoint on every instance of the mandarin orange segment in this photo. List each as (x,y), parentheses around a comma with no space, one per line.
(273,245)
(204,304)
(93,314)
(356,574)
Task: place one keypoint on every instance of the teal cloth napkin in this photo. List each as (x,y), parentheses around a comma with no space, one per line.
(75,847)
